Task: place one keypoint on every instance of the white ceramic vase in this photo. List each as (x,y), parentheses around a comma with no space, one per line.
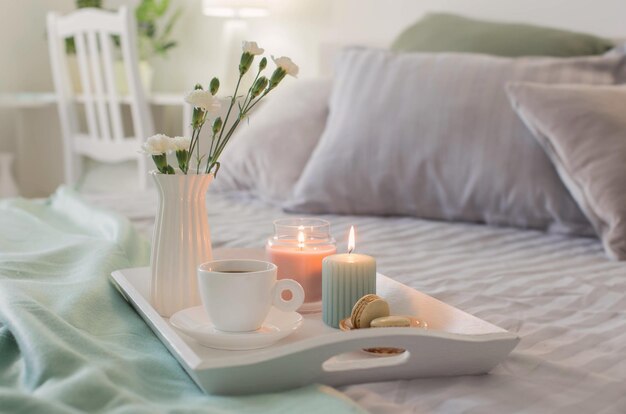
(181,240)
(146,74)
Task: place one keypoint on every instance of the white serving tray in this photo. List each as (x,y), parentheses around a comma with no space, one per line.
(455,343)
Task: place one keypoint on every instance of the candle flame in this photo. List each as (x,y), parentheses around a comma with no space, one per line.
(301,239)
(351,242)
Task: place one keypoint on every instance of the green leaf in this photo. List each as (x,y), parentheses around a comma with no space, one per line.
(168,45)
(89,3)
(70,46)
(148,14)
(171,22)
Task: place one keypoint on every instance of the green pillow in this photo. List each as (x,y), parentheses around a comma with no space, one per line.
(441,32)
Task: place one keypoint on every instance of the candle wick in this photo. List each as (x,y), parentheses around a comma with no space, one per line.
(350,250)
(301,239)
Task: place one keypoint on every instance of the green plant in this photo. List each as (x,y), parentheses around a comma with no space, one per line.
(154,40)
(89,3)
(70,46)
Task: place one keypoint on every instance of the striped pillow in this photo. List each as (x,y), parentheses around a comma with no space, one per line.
(434,136)
(582,128)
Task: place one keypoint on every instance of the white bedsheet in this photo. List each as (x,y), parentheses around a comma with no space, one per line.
(561,295)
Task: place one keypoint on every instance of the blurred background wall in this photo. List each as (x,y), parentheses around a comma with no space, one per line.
(305,30)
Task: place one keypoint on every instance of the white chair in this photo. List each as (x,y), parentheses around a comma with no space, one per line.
(104,140)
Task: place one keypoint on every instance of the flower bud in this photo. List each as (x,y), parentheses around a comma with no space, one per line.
(161,163)
(182,156)
(262,63)
(246,61)
(198,114)
(197,118)
(259,86)
(277,76)
(217,125)
(214,86)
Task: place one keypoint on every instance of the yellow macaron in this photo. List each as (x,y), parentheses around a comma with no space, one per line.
(391,322)
(368,308)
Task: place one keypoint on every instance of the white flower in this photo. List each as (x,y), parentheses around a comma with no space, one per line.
(157,145)
(287,65)
(181,143)
(203,100)
(252,48)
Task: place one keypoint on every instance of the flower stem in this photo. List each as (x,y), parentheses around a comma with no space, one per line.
(198,160)
(242,114)
(232,103)
(208,161)
(195,136)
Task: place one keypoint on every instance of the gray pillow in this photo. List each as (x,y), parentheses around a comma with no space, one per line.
(266,155)
(583,131)
(445,32)
(434,136)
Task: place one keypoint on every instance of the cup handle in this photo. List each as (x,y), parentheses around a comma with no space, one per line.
(297,295)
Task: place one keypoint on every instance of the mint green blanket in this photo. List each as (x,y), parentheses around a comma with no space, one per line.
(70,343)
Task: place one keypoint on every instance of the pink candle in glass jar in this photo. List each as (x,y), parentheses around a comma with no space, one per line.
(298,247)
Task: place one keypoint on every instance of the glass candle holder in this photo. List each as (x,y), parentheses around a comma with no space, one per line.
(298,247)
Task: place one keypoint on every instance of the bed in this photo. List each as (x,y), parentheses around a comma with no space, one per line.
(560,294)
(553,285)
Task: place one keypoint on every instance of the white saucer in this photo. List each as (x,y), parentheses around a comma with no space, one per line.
(311,307)
(195,323)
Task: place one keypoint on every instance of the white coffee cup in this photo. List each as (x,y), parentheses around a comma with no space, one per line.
(238,294)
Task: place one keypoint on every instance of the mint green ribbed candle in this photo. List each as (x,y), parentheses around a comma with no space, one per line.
(346,278)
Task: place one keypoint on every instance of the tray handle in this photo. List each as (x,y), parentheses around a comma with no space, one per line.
(355,360)
(342,362)
(447,349)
